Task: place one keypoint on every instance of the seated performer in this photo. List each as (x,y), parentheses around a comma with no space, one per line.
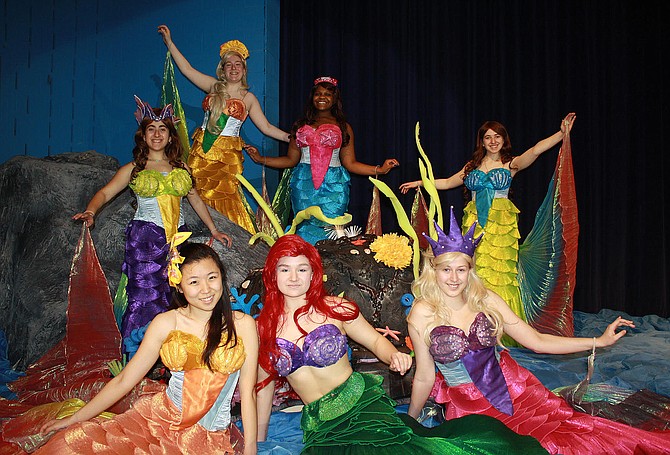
(208,349)
(455,324)
(303,338)
(160,179)
(322,151)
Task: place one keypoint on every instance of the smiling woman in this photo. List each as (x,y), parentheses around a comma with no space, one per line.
(488,176)
(216,153)
(304,341)
(455,324)
(322,151)
(210,350)
(160,181)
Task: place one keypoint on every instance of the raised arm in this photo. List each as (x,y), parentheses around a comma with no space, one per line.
(117,184)
(552,344)
(264,404)
(348,159)
(245,327)
(529,156)
(130,376)
(258,117)
(200,80)
(424,374)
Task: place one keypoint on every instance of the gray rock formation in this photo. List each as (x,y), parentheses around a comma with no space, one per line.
(39,197)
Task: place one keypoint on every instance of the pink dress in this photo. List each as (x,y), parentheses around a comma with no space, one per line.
(480,380)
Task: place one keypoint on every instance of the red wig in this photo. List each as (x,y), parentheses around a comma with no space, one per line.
(270,319)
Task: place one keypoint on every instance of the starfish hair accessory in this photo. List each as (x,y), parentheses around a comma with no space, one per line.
(455,241)
(332,80)
(234,46)
(145,110)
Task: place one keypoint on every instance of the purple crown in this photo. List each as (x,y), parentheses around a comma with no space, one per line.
(455,241)
(144,110)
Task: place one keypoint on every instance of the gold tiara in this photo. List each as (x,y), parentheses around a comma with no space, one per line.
(234,46)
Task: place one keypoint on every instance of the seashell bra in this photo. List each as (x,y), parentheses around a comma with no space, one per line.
(449,343)
(323,347)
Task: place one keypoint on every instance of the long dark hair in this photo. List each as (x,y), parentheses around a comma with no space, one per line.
(173,150)
(221,321)
(336,111)
(480,152)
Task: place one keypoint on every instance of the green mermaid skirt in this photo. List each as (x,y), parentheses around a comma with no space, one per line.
(359,418)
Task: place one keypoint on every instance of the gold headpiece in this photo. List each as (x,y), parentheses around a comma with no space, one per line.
(235,46)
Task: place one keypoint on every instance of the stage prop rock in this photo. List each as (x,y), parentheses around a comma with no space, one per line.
(39,197)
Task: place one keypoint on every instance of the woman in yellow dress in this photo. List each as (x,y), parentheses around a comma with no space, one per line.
(216,153)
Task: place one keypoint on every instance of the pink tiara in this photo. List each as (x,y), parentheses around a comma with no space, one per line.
(329,79)
(455,241)
(145,110)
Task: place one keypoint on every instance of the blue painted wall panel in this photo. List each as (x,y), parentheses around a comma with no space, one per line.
(69,69)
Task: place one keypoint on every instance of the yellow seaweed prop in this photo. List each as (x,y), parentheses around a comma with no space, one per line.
(428,179)
(403,222)
(310,212)
(314,211)
(274,221)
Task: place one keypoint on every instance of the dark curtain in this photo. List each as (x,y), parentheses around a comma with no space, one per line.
(451,65)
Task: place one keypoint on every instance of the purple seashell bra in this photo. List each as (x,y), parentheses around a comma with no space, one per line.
(323,347)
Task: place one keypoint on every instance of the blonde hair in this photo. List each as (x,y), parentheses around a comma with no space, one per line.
(218,95)
(475,293)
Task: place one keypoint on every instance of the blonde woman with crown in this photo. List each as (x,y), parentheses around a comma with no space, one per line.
(455,326)
(216,154)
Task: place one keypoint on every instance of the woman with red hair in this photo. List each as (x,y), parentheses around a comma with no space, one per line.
(303,338)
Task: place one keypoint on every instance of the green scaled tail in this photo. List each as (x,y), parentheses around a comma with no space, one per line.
(281,203)
(121,300)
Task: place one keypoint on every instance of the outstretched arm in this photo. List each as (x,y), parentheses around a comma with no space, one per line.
(105,194)
(351,164)
(200,80)
(258,117)
(552,344)
(202,211)
(454,181)
(363,333)
(529,156)
(291,159)
(245,327)
(130,376)
(264,404)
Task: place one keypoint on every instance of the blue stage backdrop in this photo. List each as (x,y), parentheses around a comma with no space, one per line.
(69,69)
